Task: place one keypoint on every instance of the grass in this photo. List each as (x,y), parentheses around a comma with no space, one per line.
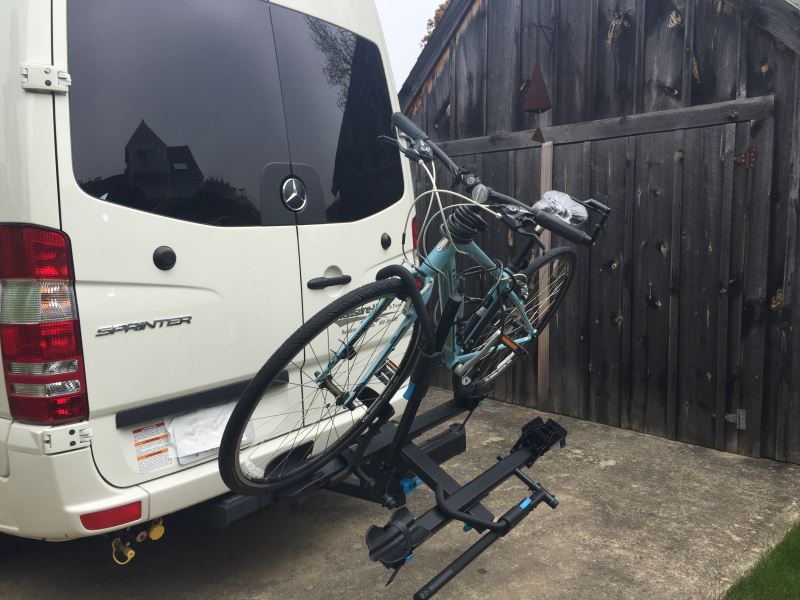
(776,576)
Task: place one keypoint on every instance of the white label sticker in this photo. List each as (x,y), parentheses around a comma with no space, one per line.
(152,447)
(197,435)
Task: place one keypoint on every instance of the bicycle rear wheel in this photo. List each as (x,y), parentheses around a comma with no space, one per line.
(547,280)
(322,388)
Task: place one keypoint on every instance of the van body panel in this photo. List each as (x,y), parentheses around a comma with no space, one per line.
(213,319)
(5,427)
(67,485)
(28,192)
(337,237)
(234,293)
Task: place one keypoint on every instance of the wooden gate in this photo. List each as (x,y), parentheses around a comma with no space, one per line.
(663,331)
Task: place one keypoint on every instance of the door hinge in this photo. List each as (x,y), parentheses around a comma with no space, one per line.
(748,158)
(68,437)
(739,418)
(44,79)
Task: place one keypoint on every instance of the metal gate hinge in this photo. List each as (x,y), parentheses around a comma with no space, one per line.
(739,418)
(44,79)
(749,158)
(68,437)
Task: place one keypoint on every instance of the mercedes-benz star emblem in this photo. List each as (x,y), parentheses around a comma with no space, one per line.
(293,193)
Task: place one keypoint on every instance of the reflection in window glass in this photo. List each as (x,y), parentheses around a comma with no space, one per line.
(175,106)
(337,104)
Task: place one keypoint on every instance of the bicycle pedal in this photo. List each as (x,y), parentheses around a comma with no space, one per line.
(513,346)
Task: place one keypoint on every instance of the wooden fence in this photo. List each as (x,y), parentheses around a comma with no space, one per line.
(664,328)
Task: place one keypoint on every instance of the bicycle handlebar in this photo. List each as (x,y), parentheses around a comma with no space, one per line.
(424,143)
(562,228)
(480,192)
(546,220)
(407,126)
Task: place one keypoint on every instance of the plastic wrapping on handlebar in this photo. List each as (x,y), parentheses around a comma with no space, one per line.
(560,228)
(407,126)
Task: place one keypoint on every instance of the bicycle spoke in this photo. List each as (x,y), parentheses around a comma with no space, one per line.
(319,418)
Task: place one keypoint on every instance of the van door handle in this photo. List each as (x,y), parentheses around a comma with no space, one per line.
(319,283)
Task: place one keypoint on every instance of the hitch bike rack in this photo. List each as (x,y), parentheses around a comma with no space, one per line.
(386,464)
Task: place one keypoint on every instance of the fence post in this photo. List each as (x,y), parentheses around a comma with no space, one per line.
(543,370)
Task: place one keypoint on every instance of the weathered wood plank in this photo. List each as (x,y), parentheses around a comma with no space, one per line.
(526,188)
(755,293)
(502,71)
(583,283)
(568,363)
(665,28)
(574,37)
(744,36)
(723,301)
(615,58)
(437,103)
(667,120)
(470,75)
(772,69)
(671,412)
(640,225)
(431,54)
(742,190)
(638,65)
(715,70)
(627,282)
(591,61)
(651,287)
(607,262)
(700,264)
(545,184)
(793,421)
(688,54)
(779,18)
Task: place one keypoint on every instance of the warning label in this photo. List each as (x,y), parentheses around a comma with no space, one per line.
(152,447)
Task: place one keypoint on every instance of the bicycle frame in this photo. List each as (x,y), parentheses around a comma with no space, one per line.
(440,266)
(438,270)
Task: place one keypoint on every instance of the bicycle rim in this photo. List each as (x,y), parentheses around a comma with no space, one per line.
(343,366)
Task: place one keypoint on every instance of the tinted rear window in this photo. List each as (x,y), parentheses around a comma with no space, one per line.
(176,108)
(337,104)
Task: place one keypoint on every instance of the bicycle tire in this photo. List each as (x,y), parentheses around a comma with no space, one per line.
(230,446)
(494,364)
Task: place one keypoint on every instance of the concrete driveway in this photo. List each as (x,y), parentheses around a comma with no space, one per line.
(640,517)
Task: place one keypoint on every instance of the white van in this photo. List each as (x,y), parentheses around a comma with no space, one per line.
(181,184)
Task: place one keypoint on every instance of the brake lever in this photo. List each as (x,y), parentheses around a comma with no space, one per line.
(415,151)
(389,140)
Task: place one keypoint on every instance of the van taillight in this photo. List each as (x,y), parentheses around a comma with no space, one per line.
(39,332)
(414,232)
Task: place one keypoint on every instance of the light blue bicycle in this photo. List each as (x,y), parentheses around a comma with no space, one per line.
(310,414)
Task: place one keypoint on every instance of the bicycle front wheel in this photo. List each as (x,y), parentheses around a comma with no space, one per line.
(322,388)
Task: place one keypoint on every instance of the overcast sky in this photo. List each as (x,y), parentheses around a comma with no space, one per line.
(404,23)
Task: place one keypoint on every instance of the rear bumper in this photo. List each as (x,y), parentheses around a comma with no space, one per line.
(43,496)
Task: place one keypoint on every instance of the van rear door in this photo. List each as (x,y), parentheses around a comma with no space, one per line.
(338,100)
(171,148)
